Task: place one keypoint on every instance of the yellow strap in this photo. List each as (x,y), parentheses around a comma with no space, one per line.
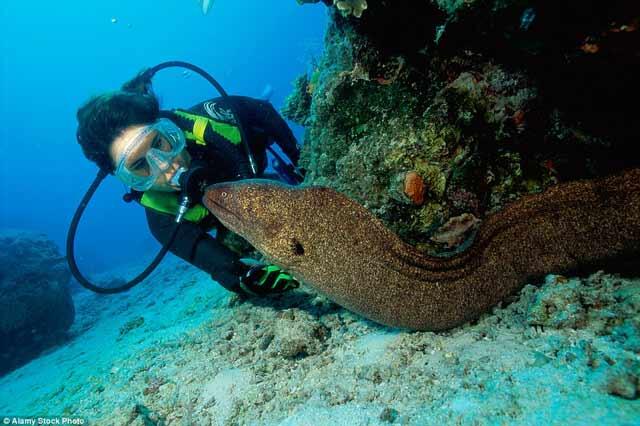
(227,131)
(192,137)
(199,127)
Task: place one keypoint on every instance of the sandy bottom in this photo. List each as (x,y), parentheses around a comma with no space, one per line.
(180,350)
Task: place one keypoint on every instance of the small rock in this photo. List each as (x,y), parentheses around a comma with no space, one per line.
(265,341)
(296,334)
(389,415)
(130,325)
(623,385)
(538,359)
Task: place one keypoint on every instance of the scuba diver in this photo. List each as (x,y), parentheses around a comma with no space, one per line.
(126,134)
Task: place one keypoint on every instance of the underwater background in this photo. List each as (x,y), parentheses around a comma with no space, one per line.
(56,55)
(434,115)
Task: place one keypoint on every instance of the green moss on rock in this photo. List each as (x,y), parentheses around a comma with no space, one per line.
(298,103)
(475,126)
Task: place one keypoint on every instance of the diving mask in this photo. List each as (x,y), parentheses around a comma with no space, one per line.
(149,153)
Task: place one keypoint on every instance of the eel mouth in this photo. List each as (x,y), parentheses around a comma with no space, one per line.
(230,219)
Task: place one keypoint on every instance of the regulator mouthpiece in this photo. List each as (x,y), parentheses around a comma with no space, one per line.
(175,180)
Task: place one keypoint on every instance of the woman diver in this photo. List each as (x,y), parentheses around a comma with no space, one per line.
(125,133)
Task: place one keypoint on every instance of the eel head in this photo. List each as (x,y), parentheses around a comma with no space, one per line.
(266,213)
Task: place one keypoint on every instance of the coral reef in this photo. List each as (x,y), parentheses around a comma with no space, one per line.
(485,101)
(36,308)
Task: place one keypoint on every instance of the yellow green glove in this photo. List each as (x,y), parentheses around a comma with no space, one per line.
(263,279)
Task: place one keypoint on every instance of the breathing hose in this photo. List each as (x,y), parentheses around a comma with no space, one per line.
(145,79)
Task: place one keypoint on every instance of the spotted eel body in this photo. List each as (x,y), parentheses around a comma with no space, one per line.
(339,248)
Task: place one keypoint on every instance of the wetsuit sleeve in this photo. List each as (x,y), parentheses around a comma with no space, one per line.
(197,247)
(263,116)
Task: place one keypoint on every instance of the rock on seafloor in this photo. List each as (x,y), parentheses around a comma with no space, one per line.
(36,308)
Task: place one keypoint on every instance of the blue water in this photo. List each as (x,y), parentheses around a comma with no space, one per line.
(57,54)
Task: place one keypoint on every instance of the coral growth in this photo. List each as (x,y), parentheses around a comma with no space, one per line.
(351,7)
(298,103)
(491,110)
(454,232)
(414,188)
(346,7)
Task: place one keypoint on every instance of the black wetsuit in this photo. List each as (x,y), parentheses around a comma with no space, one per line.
(263,125)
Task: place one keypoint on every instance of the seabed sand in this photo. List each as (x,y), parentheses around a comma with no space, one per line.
(179,350)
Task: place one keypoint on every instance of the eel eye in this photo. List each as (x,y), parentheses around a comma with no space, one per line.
(296,247)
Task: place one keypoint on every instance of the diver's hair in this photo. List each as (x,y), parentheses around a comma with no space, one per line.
(102,118)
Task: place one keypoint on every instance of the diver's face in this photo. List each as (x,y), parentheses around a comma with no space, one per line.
(163,182)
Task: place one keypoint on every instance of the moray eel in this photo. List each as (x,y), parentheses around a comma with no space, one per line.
(336,246)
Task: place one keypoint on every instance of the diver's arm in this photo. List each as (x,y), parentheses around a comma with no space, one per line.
(262,115)
(199,248)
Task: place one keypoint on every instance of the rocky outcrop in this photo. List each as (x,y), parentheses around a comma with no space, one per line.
(36,308)
(478,102)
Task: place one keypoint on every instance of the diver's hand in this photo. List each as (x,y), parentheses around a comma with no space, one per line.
(263,279)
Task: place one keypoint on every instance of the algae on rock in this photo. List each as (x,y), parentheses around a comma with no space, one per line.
(480,115)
